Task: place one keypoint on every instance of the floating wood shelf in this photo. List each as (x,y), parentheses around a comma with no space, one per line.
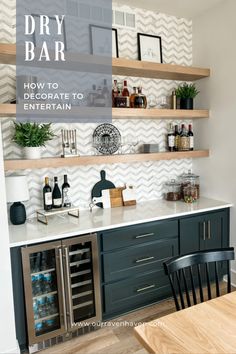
(120,66)
(12,165)
(9,110)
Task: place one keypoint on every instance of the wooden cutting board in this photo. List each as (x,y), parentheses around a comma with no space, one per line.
(101,185)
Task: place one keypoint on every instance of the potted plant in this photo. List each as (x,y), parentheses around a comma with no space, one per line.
(32,136)
(186,93)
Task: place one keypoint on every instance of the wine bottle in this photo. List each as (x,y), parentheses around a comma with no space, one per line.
(171,138)
(47,195)
(125,93)
(66,202)
(184,139)
(56,195)
(177,138)
(132,97)
(191,137)
(114,93)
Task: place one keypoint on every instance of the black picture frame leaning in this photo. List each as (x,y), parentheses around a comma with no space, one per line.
(115,47)
(59,38)
(152,53)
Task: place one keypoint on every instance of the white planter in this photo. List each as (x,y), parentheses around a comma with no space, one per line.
(32,153)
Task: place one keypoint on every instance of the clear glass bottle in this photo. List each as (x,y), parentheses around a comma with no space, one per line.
(140,100)
(99,100)
(171,138)
(132,97)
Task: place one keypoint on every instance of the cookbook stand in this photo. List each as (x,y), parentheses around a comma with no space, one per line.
(42,215)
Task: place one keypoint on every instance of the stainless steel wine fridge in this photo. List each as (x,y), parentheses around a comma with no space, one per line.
(62,287)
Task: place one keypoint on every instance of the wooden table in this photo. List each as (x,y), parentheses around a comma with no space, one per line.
(209,327)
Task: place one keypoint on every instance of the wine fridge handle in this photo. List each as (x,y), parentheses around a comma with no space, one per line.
(63,288)
(69,287)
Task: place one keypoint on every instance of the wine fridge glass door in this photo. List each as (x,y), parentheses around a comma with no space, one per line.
(43,282)
(82,277)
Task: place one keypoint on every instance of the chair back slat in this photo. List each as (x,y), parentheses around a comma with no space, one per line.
(200,282)
(217,279)
(191,271)
(208,281)
(193,287)
(186,288)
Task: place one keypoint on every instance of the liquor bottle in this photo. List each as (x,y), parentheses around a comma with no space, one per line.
(140,100)
(66,201)
(171,138)
(174,100)
(56,195)
(47,195)
(99,100)
(191,137)
(114,93)
(125,93)
(183,139)
(132,97)
(106,93)
(91,95)
(177,138)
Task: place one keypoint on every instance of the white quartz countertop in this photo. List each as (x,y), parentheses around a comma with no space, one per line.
(103,219)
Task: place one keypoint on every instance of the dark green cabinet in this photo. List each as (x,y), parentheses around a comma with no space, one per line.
(204,231)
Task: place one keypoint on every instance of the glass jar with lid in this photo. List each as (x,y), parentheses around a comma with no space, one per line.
(190,193)
(172,190)
(191,179)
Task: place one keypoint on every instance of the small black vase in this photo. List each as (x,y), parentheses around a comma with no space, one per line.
(186,103)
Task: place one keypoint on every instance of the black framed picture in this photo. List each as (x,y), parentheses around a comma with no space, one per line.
(149,48)
(103,41)
(54,36)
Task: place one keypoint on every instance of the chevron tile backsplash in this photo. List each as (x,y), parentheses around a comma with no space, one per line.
(147,177)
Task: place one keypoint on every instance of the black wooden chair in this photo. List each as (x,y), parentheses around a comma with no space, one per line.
(192,271)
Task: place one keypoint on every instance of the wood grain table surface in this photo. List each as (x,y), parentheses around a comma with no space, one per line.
(209,327)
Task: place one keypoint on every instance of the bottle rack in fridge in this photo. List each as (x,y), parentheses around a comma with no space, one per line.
(62,287)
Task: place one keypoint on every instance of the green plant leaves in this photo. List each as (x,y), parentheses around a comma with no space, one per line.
(187,91)
(32,134)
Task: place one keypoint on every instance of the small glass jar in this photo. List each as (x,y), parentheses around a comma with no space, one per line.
(172,191)
(190,193)
(191,179)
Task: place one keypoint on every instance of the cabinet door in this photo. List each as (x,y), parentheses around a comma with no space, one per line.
(206,231)
(44,291)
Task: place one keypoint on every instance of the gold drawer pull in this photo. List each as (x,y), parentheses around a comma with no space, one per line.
(144,259)
(145,288)
(144,235)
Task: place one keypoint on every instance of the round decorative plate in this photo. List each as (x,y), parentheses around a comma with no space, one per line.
(106,139)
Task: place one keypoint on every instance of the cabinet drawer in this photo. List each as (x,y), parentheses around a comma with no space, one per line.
(131,293)
(136,260)
(137,234)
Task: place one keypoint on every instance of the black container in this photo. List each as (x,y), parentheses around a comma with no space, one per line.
(186,103)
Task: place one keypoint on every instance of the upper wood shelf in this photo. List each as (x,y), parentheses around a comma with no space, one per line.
(12,165)
(120,66)
(9,110)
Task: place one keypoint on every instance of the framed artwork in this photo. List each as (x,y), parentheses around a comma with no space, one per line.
(104,41)
(54,36)
(149,48)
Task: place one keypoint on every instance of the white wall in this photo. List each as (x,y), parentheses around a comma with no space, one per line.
(7,326)
(214,47)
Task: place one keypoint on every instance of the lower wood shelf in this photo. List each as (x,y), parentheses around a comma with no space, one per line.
(12,165)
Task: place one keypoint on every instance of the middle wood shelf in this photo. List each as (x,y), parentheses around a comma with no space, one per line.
(9,110)
(57,162)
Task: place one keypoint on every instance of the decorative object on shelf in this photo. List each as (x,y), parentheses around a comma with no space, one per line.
(32,136)
(129,196)
(149,48)
(186,93)
(99,187)
(69,143)
(173,100)
(106,139)
(115,48)
(42,215)
(101,40)
(149,148)
(17,192)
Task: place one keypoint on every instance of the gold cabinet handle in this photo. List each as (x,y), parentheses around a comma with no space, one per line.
(204,231)
(144,259)
(144,235)
(209,229)
(145,288)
